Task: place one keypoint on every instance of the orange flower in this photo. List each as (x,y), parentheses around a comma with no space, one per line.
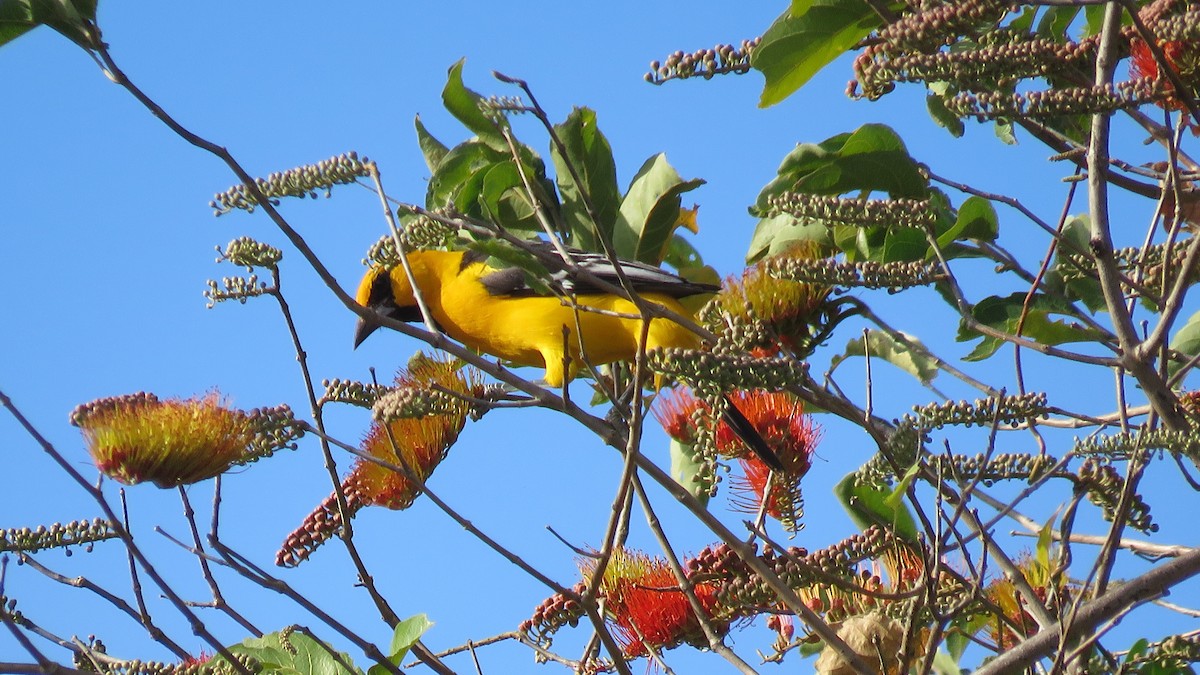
(137,438)
(786,308)
(416,444)
(1181,57)
(648,608)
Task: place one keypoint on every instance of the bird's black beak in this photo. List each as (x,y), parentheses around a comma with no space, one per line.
(363,330)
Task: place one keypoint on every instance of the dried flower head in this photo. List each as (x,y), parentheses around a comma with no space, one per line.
(137,438)
(405,448)
(875,637)
(648,608)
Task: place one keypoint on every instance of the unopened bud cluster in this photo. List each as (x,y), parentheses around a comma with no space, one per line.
(1153,265)
(987,469)
(996,63)
(235,288)
(497,106)
(1123,445)
(554,613)
(939,24)
(1173,654)
(208,667)
(719,60)
(248,253)
(412,402)
(728,371)
(57,535)
(832,210)
(352,392)
(983,412)
(8,607)
(893,276)
(275,429)
(1105,487)
(1055,102)
(302,181)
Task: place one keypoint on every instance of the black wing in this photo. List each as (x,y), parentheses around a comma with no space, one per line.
(642,277)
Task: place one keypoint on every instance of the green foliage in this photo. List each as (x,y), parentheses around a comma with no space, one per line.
(1011,315)
(585,149)
(407,633)
(805,39)
(292,651)
(912,357)
(74,19)
(650,211)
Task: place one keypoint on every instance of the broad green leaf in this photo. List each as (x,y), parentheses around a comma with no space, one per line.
(1094,20)
(431,148)
(916,362)
(588,152)
(776,234)
(650,211)
(1005,132)
(73,19)
(867,505)
(1186,341)
(1005,314)
(1056,21)
(1075,235)
(976,220)
(464,105)
(805,39)
(294,652)
(505,200)
(405,636)
(944,664)
(685,468)
(935,103)
(456,168)
(870,159)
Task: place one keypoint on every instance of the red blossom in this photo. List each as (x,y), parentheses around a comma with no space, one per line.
(648,608)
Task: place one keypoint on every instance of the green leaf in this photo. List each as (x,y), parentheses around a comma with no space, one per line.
(1005,313)
(1056,21)
(976,220)
(294,652)
(431,148)
(916,362)
(944,664)
(776,234)
(870,159)
(867,506)
(650,211)
(458,167)
(1075,235)
(464,105)
(935,103)
(685,468)
(1005,132)
(73,19)
(588,151)
(406,635)
(1186,341)
(805,39)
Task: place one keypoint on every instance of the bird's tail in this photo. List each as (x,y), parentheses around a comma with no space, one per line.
(744,430)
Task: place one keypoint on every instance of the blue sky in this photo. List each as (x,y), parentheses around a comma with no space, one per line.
(107,241)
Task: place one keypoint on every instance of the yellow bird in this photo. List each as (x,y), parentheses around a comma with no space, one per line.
(495,311)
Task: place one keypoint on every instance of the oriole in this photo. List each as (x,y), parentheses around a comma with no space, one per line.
(495,311)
